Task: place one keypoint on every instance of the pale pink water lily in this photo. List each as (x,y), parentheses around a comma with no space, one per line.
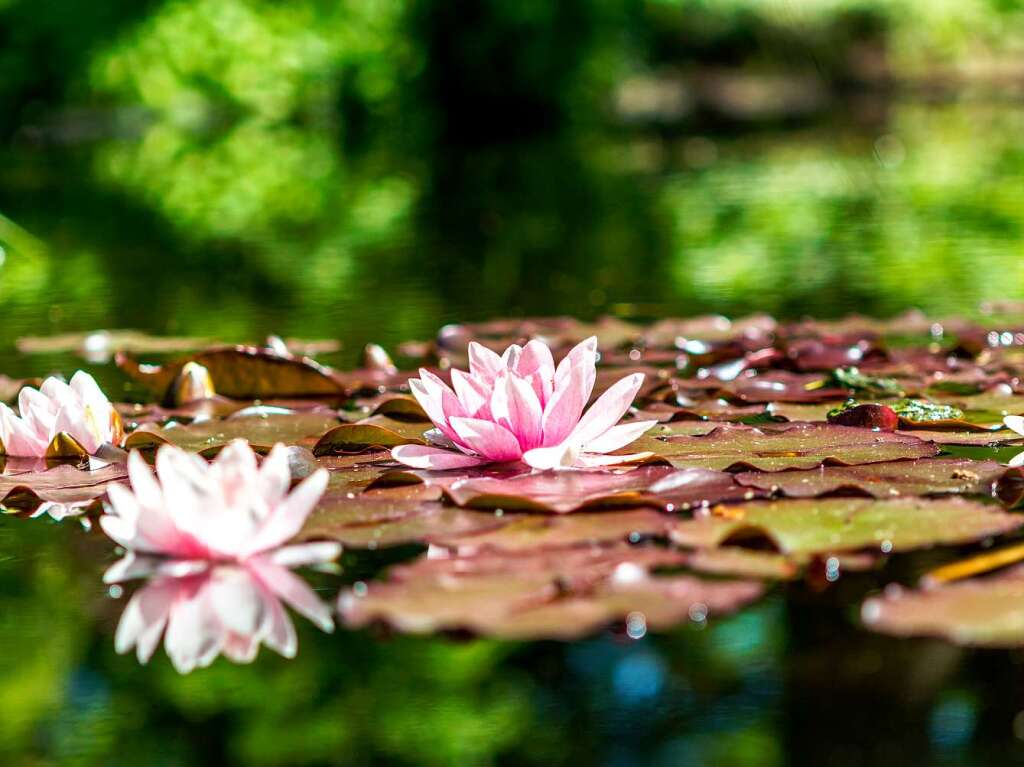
(1015,423)
(520,407)
(212,537)
(79,410)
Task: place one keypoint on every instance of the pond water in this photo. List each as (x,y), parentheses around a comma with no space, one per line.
(234,233)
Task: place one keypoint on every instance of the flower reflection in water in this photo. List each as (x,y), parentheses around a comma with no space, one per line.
(210,537)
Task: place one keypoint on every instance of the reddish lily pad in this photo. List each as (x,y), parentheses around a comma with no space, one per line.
(530,532)
(391,517)
(510,487)
(822,526)
(784,387)
(793,446)
(262,432)
(558,594)
(65,485)
(925,476)
(649,603)
(987,612)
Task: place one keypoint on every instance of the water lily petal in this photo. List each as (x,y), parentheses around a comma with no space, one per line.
(515,406)
(1015,423)
(483,363)
(608,409)
(618,436)
(473,393)
(487,438)
(424,457)
(562,456)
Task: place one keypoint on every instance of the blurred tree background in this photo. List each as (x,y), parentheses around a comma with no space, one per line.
(287,163)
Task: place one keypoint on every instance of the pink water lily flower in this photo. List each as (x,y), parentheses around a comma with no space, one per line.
(520,407)
(211,536)
(79,409)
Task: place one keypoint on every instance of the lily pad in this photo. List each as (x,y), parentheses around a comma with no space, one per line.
(791,446)
(925,476)
(531,532)
(242,372)
(558,594)
(391,517)
(262,432)
(825,525)
(784,387)
(63,485)
(373,432)
(512,487)
(987,612)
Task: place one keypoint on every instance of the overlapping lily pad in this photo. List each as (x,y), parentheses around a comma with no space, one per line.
(926,476)
(796,446)
(560,594)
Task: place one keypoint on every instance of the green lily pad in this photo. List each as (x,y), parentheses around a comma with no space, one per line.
(373,432)
(806,527)
(262,431)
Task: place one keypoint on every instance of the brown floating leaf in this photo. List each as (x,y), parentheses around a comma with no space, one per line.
(376,431)
(262,432)
(925,476)
(61,485)
(243,372)
(825,525)
(563,593)
(987,612)
(792,446)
